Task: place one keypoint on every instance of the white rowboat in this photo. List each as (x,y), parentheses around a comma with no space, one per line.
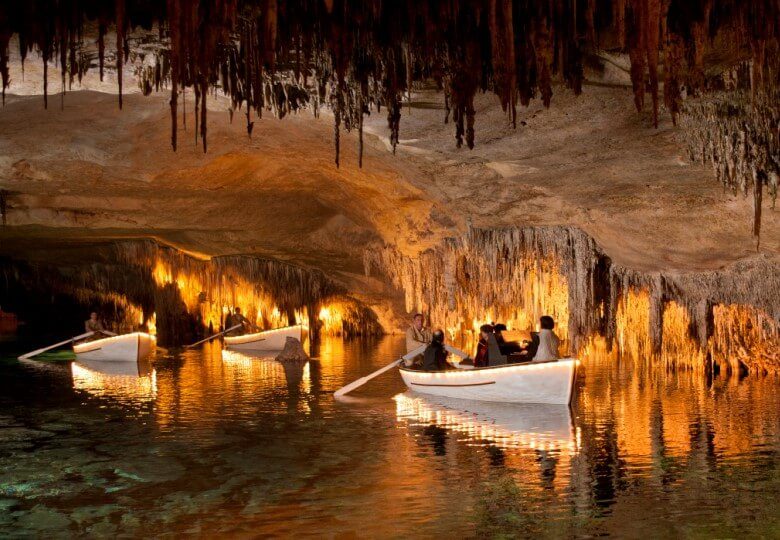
(534,382)
(267,340)
(125,348)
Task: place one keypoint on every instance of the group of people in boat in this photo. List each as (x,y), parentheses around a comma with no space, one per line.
(492,348)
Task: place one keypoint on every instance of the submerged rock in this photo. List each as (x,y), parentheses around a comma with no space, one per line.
(293,352)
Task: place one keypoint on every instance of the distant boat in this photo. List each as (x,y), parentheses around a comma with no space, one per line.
(125,348)
(267,340)
(8,322)
(533,382)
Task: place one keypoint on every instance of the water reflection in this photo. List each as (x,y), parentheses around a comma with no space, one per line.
(506,425)
(123,382)
(242,445)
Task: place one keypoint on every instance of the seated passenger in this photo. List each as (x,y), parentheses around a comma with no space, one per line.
(416,336)
(435,356)
(93,324)
(548,341)
(481,358)
(236,319)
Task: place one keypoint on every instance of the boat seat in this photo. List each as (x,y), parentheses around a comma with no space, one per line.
(495,358)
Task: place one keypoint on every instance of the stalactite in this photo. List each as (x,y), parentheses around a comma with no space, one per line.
(360,130)
(101,41)
(516,275)
(393,105)
(503,53)
(5,36)
(637,48)
(120,44)
(740,136)
(174,16)
(203,92)
(279,55)
(652,30)
(197,111)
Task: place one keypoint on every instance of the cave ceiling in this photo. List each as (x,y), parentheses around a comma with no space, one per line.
(548,91)
(360,55)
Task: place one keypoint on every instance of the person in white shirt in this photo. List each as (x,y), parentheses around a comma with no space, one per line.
(548,341)
(416,336)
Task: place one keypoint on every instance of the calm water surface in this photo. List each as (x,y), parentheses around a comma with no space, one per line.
(210,442)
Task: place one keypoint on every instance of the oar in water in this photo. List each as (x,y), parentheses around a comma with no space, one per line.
(212,337)
(363,380)
(50,347)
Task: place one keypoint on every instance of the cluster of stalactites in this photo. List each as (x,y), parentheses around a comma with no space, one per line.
(518,274)
(356,54)
(739,135)
(290,286)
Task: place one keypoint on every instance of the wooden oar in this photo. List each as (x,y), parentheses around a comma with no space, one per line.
(50,347)
(212,337)
(363,380)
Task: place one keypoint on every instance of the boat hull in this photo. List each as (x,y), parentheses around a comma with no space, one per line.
(268,340)
(543,382)
(125,348)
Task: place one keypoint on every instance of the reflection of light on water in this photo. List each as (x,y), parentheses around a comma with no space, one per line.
(539,427)
(249,366)
(306,378)
(115,381)
(266,368)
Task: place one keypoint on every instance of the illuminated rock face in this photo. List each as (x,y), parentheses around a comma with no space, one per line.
(730,317)
(141,285)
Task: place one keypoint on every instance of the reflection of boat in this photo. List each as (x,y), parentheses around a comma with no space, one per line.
(267,340)
(141,368)
(538,426)
(134,380)
(263,372)
(125,348)
(535,382)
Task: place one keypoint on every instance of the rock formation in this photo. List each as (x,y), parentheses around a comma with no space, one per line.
(292,352)
(729,316)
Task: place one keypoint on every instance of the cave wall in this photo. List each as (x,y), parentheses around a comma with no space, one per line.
(141,285)
(728,317)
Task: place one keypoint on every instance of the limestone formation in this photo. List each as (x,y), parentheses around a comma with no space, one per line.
(728,316)
(292,352)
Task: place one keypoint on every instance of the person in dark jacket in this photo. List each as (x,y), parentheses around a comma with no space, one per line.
(481,358)
(506,347)
(435,356)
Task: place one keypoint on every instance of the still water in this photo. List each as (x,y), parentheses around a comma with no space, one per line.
(210,443)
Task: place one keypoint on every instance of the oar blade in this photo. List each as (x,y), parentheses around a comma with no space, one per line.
(36,352)
(363,380)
